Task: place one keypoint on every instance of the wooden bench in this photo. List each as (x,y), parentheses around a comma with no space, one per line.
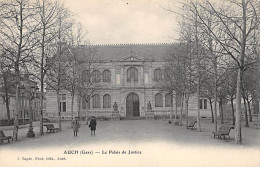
(3,137)
(257,124)
(191,125)
(51,128)
(223,131)
(175,122)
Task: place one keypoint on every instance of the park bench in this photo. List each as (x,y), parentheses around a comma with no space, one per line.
(257,124)
(51,128)
(223,131)
(191,125)
(3,137)
(175,122)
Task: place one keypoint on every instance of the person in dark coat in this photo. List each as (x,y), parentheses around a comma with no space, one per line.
(92,125)
(75,126)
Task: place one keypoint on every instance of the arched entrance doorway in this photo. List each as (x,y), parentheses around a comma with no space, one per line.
(132,105)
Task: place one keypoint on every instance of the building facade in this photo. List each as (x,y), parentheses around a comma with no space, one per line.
(128,75)
(25,100)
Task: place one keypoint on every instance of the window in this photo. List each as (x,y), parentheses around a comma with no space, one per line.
(86,76)
(168,100)
(158,100)
(106,76)
(63,102)
(132,74)
(106,101)
(96,76)
(85,102)
(203,103)
(157,75)
(96,101)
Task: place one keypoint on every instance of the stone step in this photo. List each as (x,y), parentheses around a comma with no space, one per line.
(132,118)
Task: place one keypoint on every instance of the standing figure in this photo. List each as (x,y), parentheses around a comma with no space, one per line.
(149,106)
(115,107)
(92,125)
(76,127)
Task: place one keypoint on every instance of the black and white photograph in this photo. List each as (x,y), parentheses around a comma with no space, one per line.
(129,83)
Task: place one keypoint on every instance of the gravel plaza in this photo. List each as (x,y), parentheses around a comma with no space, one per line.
(156,142)
(132,131)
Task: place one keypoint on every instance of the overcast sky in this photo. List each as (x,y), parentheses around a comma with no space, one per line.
(125,21)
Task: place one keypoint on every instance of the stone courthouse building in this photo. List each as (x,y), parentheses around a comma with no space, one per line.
(128,74)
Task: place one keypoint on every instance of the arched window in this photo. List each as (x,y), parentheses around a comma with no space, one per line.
(106,76)
(96,101)
(168,100)
(157,75)
(106,101)
(96,76)
(85,76)
(132,74)
(158,100)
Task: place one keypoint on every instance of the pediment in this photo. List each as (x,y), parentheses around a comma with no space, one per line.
(131,57)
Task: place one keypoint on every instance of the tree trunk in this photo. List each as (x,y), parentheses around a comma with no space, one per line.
(176,108)
(249,110)
(246,116)
(41,108)
(79,106)
(87,113)
(59,108)
(233,111)
(221,111)
(17,72)
(17,108)
(211,109)
(42,69)
(215,101)
(171,115)
(187,109)
(72,109)
(238,136)
(182,98)
(198,107)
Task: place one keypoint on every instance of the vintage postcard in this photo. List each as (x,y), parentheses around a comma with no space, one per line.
(129,83)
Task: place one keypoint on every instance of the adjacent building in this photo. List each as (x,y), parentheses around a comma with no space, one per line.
(29,94)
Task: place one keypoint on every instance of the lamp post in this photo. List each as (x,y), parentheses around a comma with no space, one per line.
(32,95)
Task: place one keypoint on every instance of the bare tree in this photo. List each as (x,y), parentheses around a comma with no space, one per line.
(87,87)
(48,18)
(77,37)
(17,36)
(239,26)
(178,77)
